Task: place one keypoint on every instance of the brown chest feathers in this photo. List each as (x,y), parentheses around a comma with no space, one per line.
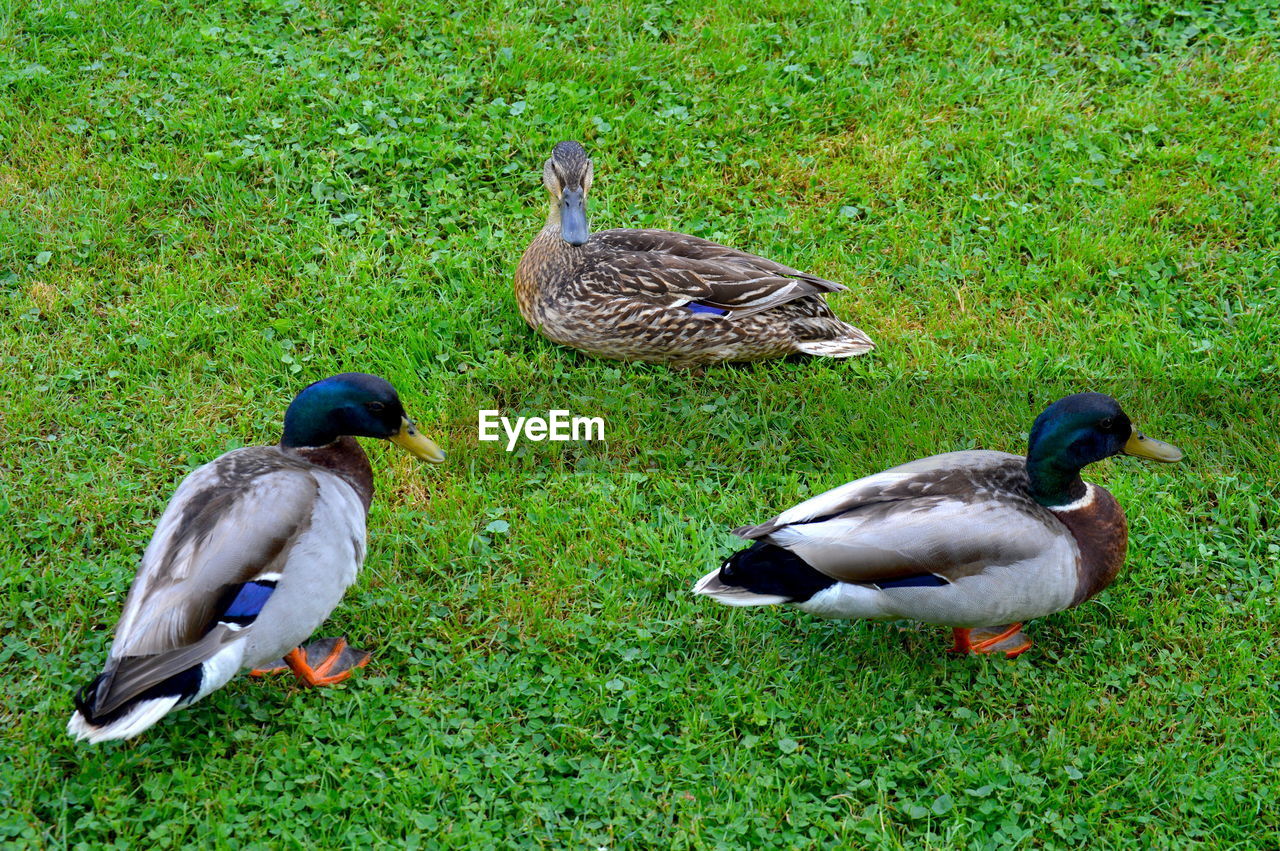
(344,457)
(546,266)
(1102,534)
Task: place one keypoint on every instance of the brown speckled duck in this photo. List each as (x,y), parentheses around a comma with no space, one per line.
(663,297)
(975,540)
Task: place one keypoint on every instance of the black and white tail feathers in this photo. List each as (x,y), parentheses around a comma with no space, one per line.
(98,719)
(134,692)
(762,575)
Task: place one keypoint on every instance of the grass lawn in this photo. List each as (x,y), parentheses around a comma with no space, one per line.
(204,206)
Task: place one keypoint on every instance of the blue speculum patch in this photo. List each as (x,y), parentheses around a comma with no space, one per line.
(706,308)
(923,580)
(250,599)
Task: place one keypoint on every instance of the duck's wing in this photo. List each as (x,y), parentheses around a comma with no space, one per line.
(945,517)
(681,270)
(218,551)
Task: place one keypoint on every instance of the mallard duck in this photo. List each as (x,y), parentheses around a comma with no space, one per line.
(253,552)
(663,297)
(976,540)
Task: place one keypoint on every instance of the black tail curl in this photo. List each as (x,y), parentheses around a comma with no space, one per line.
(765,568)
(183,685)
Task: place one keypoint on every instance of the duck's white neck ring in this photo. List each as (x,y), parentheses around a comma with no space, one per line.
(1076,504)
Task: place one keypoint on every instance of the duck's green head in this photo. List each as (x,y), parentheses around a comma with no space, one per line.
(356,404)
(567,176)
(1074,432)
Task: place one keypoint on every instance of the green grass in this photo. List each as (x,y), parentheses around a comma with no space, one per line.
(202,209)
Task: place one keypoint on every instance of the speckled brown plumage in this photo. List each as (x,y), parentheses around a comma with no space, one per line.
(625,293)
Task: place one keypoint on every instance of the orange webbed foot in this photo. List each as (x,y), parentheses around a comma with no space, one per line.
(322,662)
(1008,640)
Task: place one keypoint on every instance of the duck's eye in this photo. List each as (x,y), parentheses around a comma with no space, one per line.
(1106,424)
(375,407)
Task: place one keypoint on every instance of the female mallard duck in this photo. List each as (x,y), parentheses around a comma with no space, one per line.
(975,540)
(253,552)
(663,297)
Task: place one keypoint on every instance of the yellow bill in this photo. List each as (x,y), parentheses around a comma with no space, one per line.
(1141,446)
(415,443)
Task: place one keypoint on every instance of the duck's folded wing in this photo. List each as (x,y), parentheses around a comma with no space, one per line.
(946,516)
(684,269)
(227,525)
(945,539)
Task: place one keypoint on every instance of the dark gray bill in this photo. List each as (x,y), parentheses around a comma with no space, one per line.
(573,217)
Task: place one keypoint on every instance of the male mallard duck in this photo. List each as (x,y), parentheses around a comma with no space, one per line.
(663,297)
(975,540)
(252,553)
